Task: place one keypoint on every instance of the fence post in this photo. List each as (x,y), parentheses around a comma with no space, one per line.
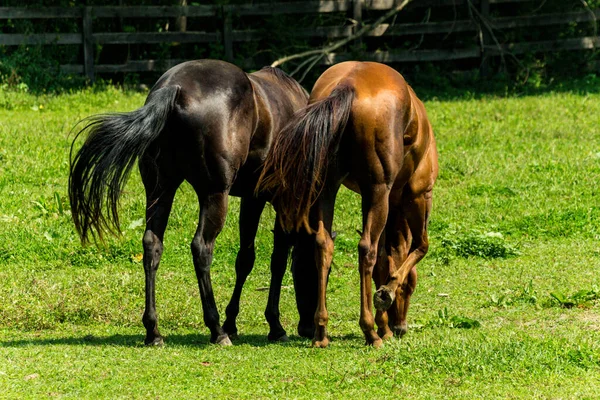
(485,38)
(88,44)
(227,33)
(357,16)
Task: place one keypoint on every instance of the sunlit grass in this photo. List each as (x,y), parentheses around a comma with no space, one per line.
(516,217)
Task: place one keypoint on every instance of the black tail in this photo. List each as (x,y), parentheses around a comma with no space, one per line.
(297,162)
(102,165)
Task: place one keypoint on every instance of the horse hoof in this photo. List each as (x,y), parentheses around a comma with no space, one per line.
(385,334)
(383,298)
(277,335)
(281,339)
(306,332)
(377,343)
(156,342)
(321,343)
(230,330)
(223,341)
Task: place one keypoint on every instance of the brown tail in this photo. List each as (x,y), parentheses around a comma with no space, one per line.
(297,162)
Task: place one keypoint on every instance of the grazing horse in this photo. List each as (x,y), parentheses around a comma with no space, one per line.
(211,124)
(365,128)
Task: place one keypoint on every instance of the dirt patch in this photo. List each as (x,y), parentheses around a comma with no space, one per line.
(590,320)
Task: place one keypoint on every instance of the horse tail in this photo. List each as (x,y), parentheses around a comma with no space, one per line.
(99,170)
(296,165)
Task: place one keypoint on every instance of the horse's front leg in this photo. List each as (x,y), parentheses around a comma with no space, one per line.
(304,273)
(394,245)
(282,242)
(417,212)
(381,274)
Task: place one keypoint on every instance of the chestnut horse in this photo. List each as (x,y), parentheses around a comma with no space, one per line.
(211,124)
(364,127)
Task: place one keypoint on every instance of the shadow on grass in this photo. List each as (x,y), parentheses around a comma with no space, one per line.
(185,340)
(191,339)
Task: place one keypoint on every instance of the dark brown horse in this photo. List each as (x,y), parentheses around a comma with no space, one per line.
(211,124)
(364,127)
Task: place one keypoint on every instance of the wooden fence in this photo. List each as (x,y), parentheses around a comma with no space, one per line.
(484,47)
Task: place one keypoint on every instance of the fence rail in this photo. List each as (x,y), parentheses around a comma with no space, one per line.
(227,35)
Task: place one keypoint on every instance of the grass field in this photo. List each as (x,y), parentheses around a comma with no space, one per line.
(506,305)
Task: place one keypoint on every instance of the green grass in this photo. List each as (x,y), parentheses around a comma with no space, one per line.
(515,235)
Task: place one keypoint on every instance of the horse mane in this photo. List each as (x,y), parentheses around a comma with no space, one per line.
(290,82)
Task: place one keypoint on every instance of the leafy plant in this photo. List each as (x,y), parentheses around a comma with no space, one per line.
(582,298)
(58,202)
(57,206)
(478,244)
(443,319)
(524,295)
(35,69)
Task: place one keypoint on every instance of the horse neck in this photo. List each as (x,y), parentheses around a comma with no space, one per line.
(275,101)
(262,109)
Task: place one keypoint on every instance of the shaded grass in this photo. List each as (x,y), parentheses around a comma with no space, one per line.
(519,172)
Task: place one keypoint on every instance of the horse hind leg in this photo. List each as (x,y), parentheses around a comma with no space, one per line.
(159,199)
(375,213)
(322,213)
(250,211)
(213,210)
(324,256)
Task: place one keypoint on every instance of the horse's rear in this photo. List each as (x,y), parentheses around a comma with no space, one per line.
(201,123)
(206,143)
(394,167)
(371,133)
(210,128)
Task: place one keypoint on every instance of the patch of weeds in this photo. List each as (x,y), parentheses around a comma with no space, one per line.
(581,299)
(524,295)
(583,357)
(443,319)
(60,204)
(477,244)
(57,205)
